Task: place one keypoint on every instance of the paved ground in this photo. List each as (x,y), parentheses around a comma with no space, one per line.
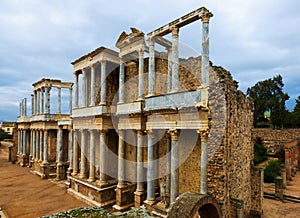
(23,194)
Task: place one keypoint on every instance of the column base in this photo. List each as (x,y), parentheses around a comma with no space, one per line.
(91,179)
(124,197)
(139,198)
(60,173)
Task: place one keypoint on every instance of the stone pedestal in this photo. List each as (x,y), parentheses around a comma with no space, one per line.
(60,171)
(45,171)
(124,197)
(279,187)
(139,198)
(24,159)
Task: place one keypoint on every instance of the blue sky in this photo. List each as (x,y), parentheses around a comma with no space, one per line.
(254,40)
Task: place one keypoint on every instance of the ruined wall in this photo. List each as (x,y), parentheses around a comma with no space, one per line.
(291,156)
(267,134)
(230,142)
(257,190)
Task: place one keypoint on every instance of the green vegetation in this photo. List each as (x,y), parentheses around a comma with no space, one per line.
(97,212)
(293,118)
(260,152)
(4,135)
(272,170)
(268,96)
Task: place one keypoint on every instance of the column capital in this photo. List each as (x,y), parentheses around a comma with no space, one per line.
(103,131)
(141,51)
(205,17)
(151,41)
(203,134)
(103,61)
(175,30)
(174,133)
(140,132)
(150,133)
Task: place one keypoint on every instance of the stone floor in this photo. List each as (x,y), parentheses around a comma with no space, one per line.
(23,194)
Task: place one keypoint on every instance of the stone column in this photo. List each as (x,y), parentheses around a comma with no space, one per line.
(38,102)
(35,102)
(121,159)
(30,144)
(42,100)
(33,144)
(84,88)
(70,150)
(205,48)
(175,67)
(32,104)
(170,66)
(92,156)
(83,152)
(47,99)
(174,192)
(19,141)
(41,145)
(150,171)
(151,75)
(24,142)
(103,83)
(37,146)
(70,100)
(122,81)
(25,106)
(168,167)
(58,100)
(93,85)
(75,154)
(141,75)
(59,157)
(45,159)
(76,95)
(204,161)
(102,163)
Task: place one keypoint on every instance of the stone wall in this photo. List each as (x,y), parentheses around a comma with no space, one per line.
(291,156)
(276,134)
(257,190)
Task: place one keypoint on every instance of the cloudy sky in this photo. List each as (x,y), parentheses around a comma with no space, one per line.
(255,40)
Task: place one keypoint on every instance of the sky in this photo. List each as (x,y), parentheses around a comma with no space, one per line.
(254,40)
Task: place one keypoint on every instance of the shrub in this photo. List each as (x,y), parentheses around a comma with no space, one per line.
(272,170)
(260,153)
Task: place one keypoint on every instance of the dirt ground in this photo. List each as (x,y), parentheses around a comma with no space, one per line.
(23,194)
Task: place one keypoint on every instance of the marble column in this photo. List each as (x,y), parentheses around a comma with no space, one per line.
(93,85)
(24,142)
(35,102)
(150,171)
(47,100)
(175,67)
(42,100)
(103,153)
(70,150)
(58,100)
(205,49)
(38,102)
(76,94)
(33,144)
(45,159)
(121,159)
(168,167)
(19,141)
(174,192)
(204,161)
(151,75)
(141,75)
(59,154)
(41,145)
(75,154)
(70,100)
(84,88)
(83,152)
(170,66)
(92,156)
(32,104)
(122,81)
(37,146)
(140,163)
(103,83)
(30,144)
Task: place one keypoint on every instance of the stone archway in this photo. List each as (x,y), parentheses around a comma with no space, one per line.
(192,205)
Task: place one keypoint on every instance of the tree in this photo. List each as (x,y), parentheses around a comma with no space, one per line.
(293,118)
(271,171)
(4,135)
(268,95)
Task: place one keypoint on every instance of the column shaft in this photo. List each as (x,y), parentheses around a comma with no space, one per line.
(42,101)
(19,141)
(33,144)
(75,154)
(70,155)
(70,101)
(59,158)
(93,85)
(151,79)
(35,102)
(121,159)
(141,75)
(32,104)
(150,172)
(24,142)
(76,96)
(82,155)
(92,156)
(37,142)
(170,66)
(121,82)
(204,159)
(41,145)
(84,88)
(45,159)
(168,167)
(103,83)
(140,170)
(47,99)
(205,53)
(102,156)
(174,192)
(175,73)
(58,100)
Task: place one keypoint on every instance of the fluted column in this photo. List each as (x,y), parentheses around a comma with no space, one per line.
(41,145)
(47,100)
(121,159)
(122,81)
(141,75)
(70,100)
(75,154)
(174,192)
(175,65)
(204,161)
(92,156)
(45,159)
(151,75)
(84,88)
(103,83)
(205,48)
(58,100)
(76,95)
(93,85)
(103,153)
(83,152)
(150,171)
